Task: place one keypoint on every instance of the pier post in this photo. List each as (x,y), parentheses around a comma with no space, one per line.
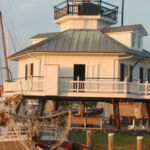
(111,141)
(140,143)
(82,108)
(42,107)
(116,115)
(89,143)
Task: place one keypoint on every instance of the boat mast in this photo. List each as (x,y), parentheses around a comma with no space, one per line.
(4,46)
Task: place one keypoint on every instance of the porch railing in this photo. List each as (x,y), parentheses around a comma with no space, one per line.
(24,85)
(106,86)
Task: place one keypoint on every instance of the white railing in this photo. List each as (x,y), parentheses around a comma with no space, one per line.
(24,85)
(104,86)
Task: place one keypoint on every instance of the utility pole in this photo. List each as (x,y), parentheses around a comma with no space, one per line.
(4,46)
(122,17)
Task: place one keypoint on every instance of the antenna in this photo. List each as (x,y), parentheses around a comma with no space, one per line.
(122,13)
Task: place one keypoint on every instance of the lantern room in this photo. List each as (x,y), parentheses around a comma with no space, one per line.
(85,14)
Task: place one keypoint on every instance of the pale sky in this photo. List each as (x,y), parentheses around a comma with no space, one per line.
(30,17)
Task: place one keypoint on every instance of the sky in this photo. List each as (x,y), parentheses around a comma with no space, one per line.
(26,18)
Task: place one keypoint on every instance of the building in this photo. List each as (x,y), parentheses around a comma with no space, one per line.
(87,60)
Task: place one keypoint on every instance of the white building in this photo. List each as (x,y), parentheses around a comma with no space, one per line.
(87,60)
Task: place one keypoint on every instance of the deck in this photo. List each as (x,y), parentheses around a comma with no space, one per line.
(67,87)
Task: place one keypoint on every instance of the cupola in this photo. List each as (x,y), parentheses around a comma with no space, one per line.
(85,14)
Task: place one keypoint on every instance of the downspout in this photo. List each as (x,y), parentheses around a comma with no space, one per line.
(128,57)
(29,54)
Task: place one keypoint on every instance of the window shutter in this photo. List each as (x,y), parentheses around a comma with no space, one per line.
(131,74)
(26,72)
(31,71)
(121,72)
(141,75)
(148,75)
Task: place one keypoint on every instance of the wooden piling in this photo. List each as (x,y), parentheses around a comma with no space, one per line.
(116,115)
(140,143)
(111,141)
(89,143)
(82,108)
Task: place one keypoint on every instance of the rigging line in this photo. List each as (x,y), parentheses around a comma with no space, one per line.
(5,22)
(1,75)
(11,39)
(11,18)
(10,32)
(7,16)
(19,46)
(13,42)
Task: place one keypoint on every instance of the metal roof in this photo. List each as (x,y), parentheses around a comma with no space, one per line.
(87,41)
(82,41)
(43,35)
(123,28)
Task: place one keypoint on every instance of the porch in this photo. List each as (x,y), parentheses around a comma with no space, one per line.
(69,87)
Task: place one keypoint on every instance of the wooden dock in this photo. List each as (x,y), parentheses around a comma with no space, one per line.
(11,146)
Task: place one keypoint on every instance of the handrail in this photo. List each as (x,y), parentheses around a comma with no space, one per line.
(98,78)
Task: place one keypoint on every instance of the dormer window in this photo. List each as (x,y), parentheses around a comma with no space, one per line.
(139,42)
(133,40)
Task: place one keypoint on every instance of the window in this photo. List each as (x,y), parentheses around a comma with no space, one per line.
(31,70)
(144,75)
(133,40)
(125,72)
(139,42)
(28,70)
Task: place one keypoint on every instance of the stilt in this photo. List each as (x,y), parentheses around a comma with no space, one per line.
(148,109)
(42,107)
(116,115)
(56,105)
(82,108)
